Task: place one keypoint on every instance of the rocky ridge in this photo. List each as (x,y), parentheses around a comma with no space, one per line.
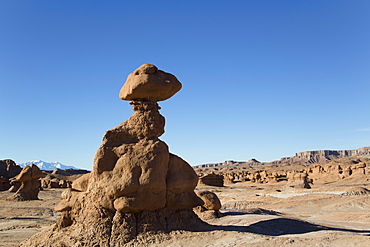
(307,157)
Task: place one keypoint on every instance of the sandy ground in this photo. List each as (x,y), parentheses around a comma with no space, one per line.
(252,215)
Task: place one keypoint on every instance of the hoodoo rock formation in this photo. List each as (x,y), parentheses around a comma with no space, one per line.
(298,180)
(297,175)
(211,179)
(8,169)
(30,184)
(137,186)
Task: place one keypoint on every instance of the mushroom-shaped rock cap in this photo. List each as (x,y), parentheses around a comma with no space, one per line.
(149,83)
(29,173)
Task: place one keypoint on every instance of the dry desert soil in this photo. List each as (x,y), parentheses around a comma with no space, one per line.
(253,214)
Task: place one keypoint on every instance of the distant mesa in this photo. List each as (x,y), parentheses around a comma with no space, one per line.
(311,157)
(224,164)
(307,157)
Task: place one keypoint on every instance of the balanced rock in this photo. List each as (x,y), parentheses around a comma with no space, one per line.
(137,186)
(149,83)
(30,184)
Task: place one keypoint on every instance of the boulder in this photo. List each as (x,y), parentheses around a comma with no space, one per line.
(210,200)
(211,205)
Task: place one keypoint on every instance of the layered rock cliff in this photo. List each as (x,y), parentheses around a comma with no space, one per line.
(310,157)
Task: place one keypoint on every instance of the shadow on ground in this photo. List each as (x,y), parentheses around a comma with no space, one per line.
(253,211)
(284,226)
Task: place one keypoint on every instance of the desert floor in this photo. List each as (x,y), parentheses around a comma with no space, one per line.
(253,215)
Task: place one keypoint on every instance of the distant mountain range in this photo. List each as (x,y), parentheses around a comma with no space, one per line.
(47,166)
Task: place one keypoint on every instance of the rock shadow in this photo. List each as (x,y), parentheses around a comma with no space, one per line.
(284,226)
(260,211)
(24,218)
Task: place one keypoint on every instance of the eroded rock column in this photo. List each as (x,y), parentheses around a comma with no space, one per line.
(137,186)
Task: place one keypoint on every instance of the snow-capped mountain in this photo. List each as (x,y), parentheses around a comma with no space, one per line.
(47,166)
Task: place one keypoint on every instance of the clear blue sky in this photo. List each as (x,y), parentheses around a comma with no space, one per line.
(261,79)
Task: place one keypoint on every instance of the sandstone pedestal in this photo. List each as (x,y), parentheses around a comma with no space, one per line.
(137,186)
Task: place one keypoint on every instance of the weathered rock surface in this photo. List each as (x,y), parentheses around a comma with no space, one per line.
(211,206)
(52,182)
(4,183)
(297,175)
(61,178)
(30,184)
(137,186)
(211,179)
(298,180)
(210,199)
(8,169)
(149,83)
(14,186)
